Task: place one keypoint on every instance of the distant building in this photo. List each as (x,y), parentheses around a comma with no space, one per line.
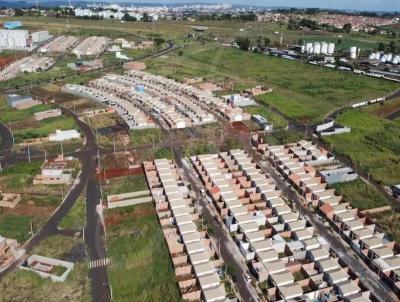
(240,100)
(41,36)
(13,39)
(61,135)
(262,122)
(47,114)
(21,102)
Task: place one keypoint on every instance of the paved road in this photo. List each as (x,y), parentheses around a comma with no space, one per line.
(367,276)
(6,139)
(229,251)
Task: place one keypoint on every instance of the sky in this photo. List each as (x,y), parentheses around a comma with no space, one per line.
(376,5)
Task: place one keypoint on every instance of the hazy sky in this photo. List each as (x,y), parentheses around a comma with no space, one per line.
(391,5)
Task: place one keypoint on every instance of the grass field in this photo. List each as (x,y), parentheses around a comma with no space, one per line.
(360,195)
(301,91)
(383,109)
(43,128)
(76,217)
(125,184)
(224,31)
(21,286)
(140,266)
(373,145)
(389,221)
(145,136)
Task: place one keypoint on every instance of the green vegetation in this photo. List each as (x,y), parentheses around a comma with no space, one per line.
(140,264)
(145,136)
(282,137)
(119,185)
(389,221)
(360,195)
(21,286)
(44,128)
(57,246)
(373,145)
(76,217)
(383,109)
(17,227)
(163,153)
(19,176)
(200,148)
(8,114)
(301,91)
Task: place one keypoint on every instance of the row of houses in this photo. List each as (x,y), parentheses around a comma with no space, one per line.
(91,46)
(374,247)
(61,44)
(134,117)
(168,110)
(192,253)
(278,244)
(26,64)
(181,91)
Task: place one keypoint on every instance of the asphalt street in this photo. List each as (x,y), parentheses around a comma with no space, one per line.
(229,251)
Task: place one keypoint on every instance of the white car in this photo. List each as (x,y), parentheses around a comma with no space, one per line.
(202,192)
(247,278)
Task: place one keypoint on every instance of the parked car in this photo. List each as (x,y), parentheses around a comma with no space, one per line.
(203,192)
(247,278)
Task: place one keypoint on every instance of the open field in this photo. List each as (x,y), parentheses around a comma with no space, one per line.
(383,109)
(389,221)
(76,217)
(360,195)
(223,30)
(373,145)
(21,286)
(146,136)
(125,184)
(140,266)
(301,91)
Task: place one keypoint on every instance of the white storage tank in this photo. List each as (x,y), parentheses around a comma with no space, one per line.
(384,58)
(324,48)
(317,48)
(303,48)
(331,48)
(389,57)
(396,60)
(353,52)
(372,56)
(378,55)
(309,48)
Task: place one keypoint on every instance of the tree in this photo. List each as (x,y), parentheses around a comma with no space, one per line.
(159,41)
(381,46)
(128,17)
(18,12)
(347,28)
(243,43)
(267,42)
(392,46)
(146,17)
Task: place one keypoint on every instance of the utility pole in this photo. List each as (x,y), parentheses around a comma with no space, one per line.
(62,150)
(29,154)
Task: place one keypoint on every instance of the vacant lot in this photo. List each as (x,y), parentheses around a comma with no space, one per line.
(119,185)
(390,223)
(301,91)
(373,145)
(360,195)
(140,265)
(21,286)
